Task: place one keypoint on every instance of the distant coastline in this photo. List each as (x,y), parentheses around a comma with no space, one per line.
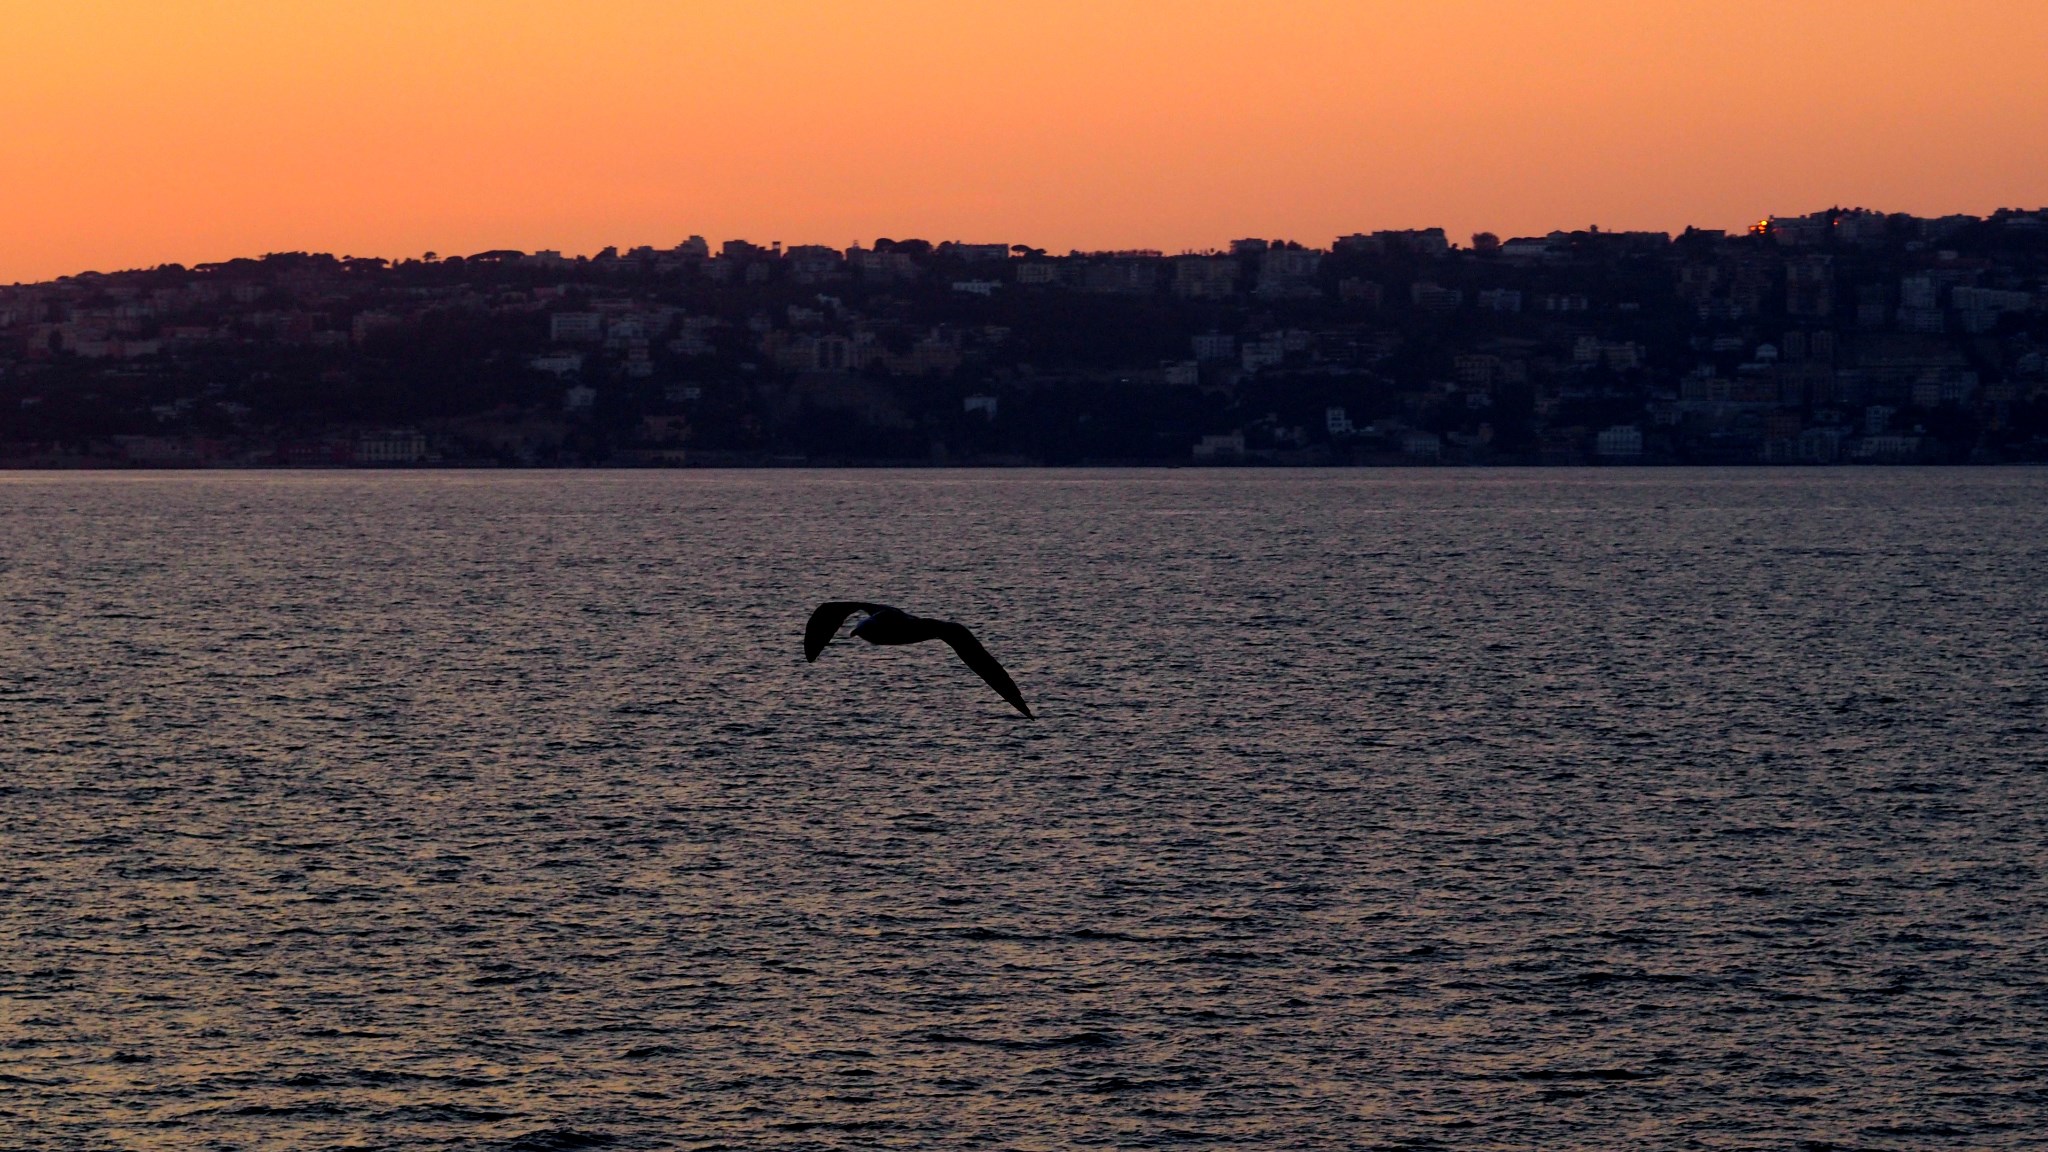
(1841,337)
(723,463)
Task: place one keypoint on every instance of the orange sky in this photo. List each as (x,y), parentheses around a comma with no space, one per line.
(134,132)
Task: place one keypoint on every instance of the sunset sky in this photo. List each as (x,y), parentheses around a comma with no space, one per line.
(136,132)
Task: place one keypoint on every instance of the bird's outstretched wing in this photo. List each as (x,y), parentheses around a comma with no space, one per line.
(825,622)
(984,665)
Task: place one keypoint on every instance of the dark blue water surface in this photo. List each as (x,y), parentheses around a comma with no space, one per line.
(1563,810)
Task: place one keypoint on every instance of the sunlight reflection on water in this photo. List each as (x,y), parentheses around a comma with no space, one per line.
(1472,809)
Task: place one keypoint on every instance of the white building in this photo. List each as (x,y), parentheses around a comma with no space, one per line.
(558,363)
(814,263)
(1435,298)
(1204,277)
(1259,355)
(1820,445)
(976,253)
(575,326)
(1968,299)
(1288,272)
(1526,250)
(392,446)
(1226,447)
(834,353)
(1621,442)
(368,324)
(1888,448)
(1423,445)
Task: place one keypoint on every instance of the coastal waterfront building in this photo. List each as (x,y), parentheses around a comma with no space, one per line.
(1796,343)
(391,446)
(1621,442)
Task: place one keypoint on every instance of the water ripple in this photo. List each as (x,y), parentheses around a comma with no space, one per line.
(1367,810)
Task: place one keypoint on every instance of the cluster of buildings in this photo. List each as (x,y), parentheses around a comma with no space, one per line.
(1837,337)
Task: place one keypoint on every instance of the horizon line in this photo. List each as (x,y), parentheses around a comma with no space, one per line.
(1760,225)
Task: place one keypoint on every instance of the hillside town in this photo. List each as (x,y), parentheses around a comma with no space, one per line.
(1842,337)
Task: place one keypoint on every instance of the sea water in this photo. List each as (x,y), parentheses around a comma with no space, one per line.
(1365,809)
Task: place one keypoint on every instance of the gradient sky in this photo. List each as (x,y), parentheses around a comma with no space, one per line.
(135,132)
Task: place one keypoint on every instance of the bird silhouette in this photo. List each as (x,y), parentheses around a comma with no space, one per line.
(886,625)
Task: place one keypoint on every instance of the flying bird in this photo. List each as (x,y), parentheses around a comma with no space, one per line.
(886,625)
